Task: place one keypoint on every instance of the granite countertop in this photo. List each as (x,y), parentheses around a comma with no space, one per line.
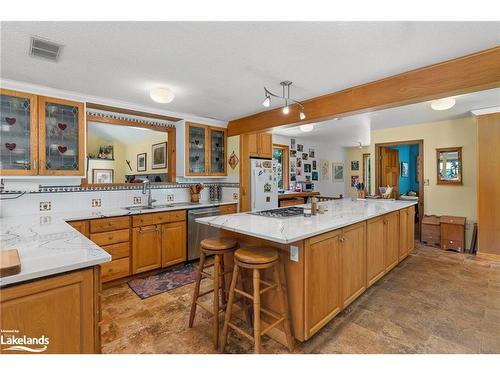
(341,212)
(47,245)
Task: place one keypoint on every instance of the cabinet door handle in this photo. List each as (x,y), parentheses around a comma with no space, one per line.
(35,164)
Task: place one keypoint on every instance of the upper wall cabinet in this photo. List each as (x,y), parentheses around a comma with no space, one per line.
(202,151)
(18,130)
(40,135)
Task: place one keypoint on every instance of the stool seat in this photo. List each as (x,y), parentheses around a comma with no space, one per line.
(218,244)
(256,255)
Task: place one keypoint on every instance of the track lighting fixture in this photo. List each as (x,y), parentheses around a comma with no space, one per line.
(286,97)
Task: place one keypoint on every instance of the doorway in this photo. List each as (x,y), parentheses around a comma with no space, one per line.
(401,165)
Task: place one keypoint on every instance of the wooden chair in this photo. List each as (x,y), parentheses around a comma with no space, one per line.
(217,247)
(257,259)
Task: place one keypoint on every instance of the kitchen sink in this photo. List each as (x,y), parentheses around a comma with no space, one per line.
(156,206)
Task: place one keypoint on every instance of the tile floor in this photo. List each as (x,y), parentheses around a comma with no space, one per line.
(433,302)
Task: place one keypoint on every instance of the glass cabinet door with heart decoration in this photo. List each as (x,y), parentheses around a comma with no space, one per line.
(18,133)
(217,143)
(61,137)
(196,138)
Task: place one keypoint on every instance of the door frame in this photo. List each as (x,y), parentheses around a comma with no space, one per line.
(286,163)
(420,166)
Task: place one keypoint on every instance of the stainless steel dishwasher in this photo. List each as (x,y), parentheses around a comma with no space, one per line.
(197,232)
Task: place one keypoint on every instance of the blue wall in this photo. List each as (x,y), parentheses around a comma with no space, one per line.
(408,154)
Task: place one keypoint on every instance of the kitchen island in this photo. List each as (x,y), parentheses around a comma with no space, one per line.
(330,259)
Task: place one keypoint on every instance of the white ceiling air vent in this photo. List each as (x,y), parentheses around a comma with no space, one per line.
(44,49)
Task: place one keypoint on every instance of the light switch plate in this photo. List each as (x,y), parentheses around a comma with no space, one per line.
(426,182)
(294,253)
(170,197)
(96,202)
(137,200)
(235,196)
(45,206)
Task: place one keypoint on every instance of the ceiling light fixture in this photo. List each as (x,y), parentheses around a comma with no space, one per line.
(162,95)
(307,127)
(286,97)
(360,145)
(443,104)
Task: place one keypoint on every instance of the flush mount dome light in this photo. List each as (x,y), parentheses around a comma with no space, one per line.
(162,95)
(443,104)
(307,127)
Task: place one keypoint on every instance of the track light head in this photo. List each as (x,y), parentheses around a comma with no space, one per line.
(286,110)
(302,115)
(267,101)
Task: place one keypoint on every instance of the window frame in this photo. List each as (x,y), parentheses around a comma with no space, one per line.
(286,163)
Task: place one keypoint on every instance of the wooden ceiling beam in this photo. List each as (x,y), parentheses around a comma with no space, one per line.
(474,72)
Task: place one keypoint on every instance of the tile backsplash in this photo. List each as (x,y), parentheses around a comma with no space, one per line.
(80,201)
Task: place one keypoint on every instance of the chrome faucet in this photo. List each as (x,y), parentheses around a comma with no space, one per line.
(146,188)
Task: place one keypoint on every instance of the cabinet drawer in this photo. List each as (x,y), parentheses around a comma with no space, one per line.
(109,224)
(115,269)
(142,220)
(452,245)
(177,215)
(232,208)
(108,238)
(169,216)
(118,250)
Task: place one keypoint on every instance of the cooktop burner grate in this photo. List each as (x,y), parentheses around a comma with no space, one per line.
(281,212)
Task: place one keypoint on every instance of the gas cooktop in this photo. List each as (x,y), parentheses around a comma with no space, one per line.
(281,212)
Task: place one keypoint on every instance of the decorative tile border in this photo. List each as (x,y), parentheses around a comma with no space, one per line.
(79,189)
(131,118)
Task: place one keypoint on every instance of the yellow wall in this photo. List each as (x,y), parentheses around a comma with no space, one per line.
(438,199)
(131,151)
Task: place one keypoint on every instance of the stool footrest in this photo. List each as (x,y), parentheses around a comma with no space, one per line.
(271,313)
(207,275)
(240,331)
(243,293)
(271,326)
(267,289)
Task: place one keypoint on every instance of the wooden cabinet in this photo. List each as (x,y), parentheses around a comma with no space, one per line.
(410,232)
(205,150)
(453,233)
(375,252)
(173,243)
(259,144)
(403,234)
(391,240)
(81,226)
(353,262)
(61,308)
(228,209)
(323,267)
(431,231)
(19,133)
(43,136)
(146,248)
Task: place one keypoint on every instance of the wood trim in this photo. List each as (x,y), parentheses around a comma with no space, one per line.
(473,72)
(33,134)
(42,100)
(130,112)
(286,163)
(445,182)
(420,166)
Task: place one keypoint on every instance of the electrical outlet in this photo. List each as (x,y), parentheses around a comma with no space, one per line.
(426,182)
(96,203)
(45,206)
(235,196)
(170,197)
(294,253)
(45,220)
(137,200)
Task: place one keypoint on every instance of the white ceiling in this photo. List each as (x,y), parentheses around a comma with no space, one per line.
(350,130)
(122,134)
(218,70)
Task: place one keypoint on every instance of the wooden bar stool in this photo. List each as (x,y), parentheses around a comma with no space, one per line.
(257,259)
(217,247)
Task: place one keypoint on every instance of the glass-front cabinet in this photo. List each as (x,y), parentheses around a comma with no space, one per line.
(205,150)
(61,137)
(18,133)
(40,135)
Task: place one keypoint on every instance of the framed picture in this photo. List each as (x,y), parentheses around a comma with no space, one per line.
(338,172)
(292,143)
(304,156)
(315,175)
(299,163)
(293,153)
(293,166)
(307,168)
(308,178)
(314,165)
(300,148)
(354,181)
(404,169)
(355,165)
(141,162)
(102,176)
(324,167)
(159,152)
(311,153)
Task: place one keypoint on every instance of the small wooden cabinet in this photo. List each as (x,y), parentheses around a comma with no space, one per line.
(41,135)
(453,233)
(259,144)
(431,231)
(146,248)
(353,262)
(173,243)
(205,150)
(63,308)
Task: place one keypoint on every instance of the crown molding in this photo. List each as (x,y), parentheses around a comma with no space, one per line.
(485,111)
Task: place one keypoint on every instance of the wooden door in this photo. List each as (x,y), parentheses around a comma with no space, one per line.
(403,233)
(353,262)
(391,240)
(375,249)
(146,248)
(19,133)
(251,143)
(410,232)
(61,308)
(266,145)
(322,280)
(61,137)
(389,169)
(173,243)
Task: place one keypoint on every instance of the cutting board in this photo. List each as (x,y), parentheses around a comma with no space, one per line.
(10,264)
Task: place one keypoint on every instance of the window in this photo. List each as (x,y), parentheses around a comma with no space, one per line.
(281,156)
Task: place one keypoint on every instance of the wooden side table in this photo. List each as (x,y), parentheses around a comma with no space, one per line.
(431,231)
(453,233)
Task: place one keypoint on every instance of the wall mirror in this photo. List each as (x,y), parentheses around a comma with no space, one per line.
(449,166)
(119,152)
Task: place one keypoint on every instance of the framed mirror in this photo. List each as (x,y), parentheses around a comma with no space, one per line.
(449,166)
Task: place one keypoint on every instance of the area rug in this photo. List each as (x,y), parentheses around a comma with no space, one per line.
(149,286)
